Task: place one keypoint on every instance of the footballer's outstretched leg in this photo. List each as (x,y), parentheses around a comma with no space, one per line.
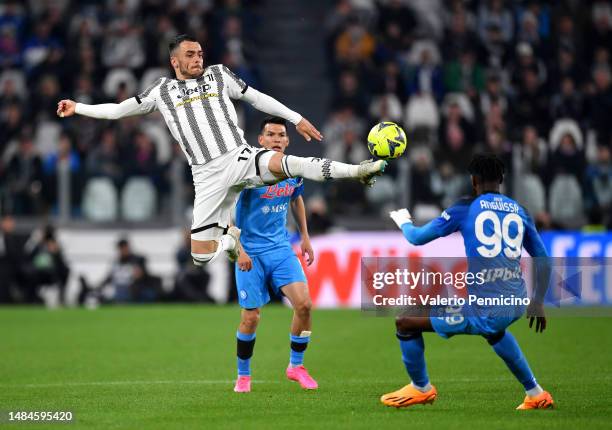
(507,348)
(419,391)
(322,169)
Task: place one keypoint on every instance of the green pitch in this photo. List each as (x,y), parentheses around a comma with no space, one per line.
(173,367)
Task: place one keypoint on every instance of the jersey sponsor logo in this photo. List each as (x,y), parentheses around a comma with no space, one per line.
(274,209)
(193,99)
(186,92)
(274,191)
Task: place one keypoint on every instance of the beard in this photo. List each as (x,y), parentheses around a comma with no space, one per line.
(189,75)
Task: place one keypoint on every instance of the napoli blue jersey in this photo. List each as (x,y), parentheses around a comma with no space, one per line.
(261,214)
(495,229)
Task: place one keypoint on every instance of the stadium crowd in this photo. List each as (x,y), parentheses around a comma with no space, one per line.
(529,80)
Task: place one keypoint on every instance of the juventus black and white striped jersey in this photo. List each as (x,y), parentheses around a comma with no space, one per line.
(199,112)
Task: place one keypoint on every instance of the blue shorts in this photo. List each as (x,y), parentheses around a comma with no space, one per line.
(451,321)
(276,268)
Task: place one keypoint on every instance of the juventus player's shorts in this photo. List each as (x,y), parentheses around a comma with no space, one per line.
(218,184)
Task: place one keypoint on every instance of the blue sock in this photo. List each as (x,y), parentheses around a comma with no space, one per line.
(510,351)
(413,356)
(298,346)
(245,345)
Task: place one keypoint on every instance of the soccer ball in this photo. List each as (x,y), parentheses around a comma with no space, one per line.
(387,140)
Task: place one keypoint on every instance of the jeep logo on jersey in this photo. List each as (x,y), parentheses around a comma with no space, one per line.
(186,92)
(275,191)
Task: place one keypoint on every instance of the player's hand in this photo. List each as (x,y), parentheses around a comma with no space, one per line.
(66,108)
(535,311)
(308,131)
(307,251)
(244,262)
(401,217)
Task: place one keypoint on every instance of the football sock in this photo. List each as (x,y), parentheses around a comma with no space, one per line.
(317,169)
(245,344)
(298,346)
(413,356)
(508,349)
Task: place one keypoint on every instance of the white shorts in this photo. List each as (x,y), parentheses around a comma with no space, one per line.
(218,184)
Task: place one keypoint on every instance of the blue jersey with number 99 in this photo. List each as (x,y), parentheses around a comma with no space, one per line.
(495,230)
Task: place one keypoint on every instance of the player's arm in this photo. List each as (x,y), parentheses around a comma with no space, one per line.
(533,244)
(444,225)
(238,89)
(299,213)
(138,105)
(244,262)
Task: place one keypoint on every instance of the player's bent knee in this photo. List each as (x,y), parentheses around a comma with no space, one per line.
(201,259)
(302,307)
(407,326)
(494,338)
(250,318)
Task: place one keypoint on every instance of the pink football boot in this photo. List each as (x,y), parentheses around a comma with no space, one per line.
(243,384)
(300,374)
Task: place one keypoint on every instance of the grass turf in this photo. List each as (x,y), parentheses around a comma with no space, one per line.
(172,367)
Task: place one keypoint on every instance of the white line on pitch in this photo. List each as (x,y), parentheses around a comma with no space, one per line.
(103,383)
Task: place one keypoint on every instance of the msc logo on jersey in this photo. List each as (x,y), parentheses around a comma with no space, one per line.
(275,191)
(265,209)
(274,209)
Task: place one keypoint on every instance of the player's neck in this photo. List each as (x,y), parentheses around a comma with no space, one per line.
(487,188)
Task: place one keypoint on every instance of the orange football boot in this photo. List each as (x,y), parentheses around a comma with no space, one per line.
(408,396)
(542,401)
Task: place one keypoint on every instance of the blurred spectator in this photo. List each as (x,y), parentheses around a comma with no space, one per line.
(105,159)
(531,105)
(47,272)
(65,161)
(456,137)
(355,44)
(598,188)
(425,76)
(143,158)
(601,104)
(493,13)
(534,152)
(23,178)
(464,75)
(567,154)
(459,38)
(128,277)
(600,34)
(11,259)
(568,102)
(425,184)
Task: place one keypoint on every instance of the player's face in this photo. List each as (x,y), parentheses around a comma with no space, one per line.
(189,60)
(274,137)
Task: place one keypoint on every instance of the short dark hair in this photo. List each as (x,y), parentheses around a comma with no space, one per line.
(272,120)
(487,167)
(178,40)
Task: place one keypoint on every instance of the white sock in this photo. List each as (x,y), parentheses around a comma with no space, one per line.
(424,389)
(535,391)
(317,169)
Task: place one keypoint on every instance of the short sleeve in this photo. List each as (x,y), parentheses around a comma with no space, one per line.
(235,86)
(147,100)
(299,189)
